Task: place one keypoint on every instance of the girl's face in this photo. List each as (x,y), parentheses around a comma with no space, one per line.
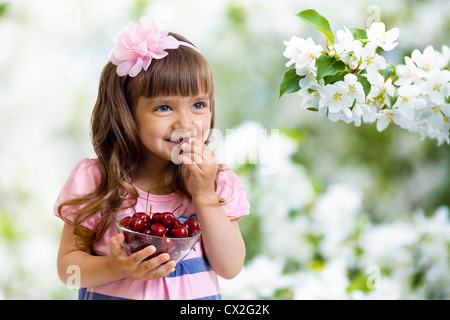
(164,119)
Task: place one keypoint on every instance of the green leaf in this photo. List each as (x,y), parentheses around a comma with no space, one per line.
(317,21)
(335,78)
(328,66)
(365,84)
(393,99)
(359,33)
(290,82)
(389,72)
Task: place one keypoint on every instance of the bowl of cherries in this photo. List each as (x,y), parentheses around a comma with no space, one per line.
(160,229)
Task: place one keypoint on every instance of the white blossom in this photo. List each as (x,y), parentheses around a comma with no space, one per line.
(303,53)
(417,101)
(336,98)
(355,89)
(381,89)
(437,86)
(409,73)
(409,98)
(428,60)
(381,38)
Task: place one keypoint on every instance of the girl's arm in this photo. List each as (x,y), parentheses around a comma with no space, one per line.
(222,238)
(99,270)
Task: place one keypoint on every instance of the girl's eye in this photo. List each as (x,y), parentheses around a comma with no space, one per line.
(198,105)
(163,108)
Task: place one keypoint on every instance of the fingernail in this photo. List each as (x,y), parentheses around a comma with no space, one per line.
(151,249)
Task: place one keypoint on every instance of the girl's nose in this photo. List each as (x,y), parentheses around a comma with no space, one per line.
(183,121)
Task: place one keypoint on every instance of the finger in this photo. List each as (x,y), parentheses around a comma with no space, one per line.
(192,148)
(209,156)
(203,151)
(165,269)
(191,159)
(155,262)
(139,256)
(115,245)
(162,269)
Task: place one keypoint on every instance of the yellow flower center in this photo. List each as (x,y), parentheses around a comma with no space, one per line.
(369,60)
(337,97)
(436,110)
(437,87)
(352,88)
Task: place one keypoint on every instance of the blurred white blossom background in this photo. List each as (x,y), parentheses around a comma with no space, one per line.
(338,212)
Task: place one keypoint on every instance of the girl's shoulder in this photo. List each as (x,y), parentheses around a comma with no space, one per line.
(83,179)
(226,172)
(88,170)
(227,177)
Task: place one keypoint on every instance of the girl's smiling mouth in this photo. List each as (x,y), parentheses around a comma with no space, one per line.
(172,143)
(175,142)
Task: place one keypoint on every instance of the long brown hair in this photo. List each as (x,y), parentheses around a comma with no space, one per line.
(115,137)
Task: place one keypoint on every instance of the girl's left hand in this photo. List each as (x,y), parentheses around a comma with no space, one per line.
(202,164)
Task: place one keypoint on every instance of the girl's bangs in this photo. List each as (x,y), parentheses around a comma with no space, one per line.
(182,72)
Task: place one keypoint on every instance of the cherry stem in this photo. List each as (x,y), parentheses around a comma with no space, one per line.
(177,208)
(146,204)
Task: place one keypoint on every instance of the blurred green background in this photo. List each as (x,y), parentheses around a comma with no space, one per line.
(349,213)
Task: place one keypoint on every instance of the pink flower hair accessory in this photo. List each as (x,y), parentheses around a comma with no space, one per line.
(138,44)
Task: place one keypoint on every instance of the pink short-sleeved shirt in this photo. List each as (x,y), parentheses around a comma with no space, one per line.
(193,277)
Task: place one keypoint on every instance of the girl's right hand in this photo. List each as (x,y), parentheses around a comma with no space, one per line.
(133,266)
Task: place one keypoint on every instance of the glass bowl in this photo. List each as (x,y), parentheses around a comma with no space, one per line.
(177,248)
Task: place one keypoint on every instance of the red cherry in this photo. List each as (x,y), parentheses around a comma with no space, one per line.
(167,219)
(179,231)
(136,224)
(144,216)
(125,222)
(167,245)
(147,231)
(158,229)
(155,217)
(193,226)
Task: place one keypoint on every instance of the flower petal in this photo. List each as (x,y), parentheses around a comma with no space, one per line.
(138,44)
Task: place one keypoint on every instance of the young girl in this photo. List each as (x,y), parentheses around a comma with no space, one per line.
(156,90)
